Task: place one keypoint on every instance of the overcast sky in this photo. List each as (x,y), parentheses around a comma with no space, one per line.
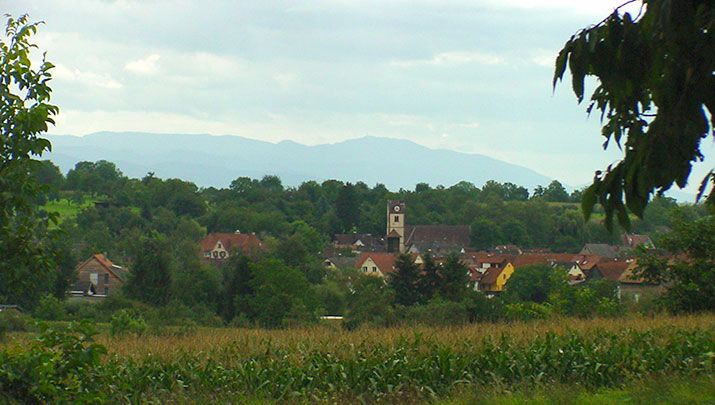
(471,76)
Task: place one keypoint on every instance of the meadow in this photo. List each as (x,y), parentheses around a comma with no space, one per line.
(556,360)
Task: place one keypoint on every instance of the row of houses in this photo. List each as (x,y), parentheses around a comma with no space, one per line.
(98,277)
(490,272)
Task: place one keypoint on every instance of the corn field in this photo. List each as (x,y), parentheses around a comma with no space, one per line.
(395,364)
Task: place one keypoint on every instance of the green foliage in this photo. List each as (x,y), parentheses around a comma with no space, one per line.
(655,93)
(411,368)
(436,312)
(127,321)
(279,292)
(61,366)
(691,276)
(25,113)
(370,303)
(454,279)
(50,309)
(150,278)
(12,321)
(534,283)
(404,280)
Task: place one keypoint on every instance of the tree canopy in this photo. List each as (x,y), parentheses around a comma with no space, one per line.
(25,113)
(656,95)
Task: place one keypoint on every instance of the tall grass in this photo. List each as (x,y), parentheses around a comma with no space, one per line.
(401,364)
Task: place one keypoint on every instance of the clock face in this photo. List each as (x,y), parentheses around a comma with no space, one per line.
(396,208)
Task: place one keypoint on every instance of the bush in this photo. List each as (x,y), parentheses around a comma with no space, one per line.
(436,312)
(50,309)
(127,321)
(61,366)
(12,321)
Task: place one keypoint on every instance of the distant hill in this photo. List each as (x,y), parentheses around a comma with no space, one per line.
(217,160)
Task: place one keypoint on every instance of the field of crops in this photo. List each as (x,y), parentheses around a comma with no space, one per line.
(405,364)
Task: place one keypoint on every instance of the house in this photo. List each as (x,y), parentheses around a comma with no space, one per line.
(494,278)
(508,250)
(579,267)
(217,246)
(98,277)
(632,240)
(601,249)
(611,270)
(340,262)
(416,239)
(361,242)
(376,263)
(636,287)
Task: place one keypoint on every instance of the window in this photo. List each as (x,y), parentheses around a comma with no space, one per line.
(215,254)
(364,269)
(397,218)
(374,269)
(106,278)
(106,291)
(223,255)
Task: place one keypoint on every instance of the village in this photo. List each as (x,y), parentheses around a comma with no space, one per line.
(489,271)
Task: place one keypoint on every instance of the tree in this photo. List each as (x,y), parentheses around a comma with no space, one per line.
(369,303)
(656,89)
(485,234)
(347,207)
(691,276)
(279,291)
(48,173)
(533,284)
(150,276)
(404,280)
(455,277)
(555,192)
(25,113)
(429,278)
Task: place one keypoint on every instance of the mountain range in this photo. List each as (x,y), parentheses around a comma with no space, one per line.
(209,160)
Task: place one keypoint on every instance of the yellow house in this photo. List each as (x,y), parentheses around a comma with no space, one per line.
(495,278)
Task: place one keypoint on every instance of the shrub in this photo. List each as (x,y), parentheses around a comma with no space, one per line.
(127,321)
(61,366)
(50,309)
(12,321)
(436,312)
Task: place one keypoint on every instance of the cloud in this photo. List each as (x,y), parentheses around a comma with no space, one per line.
(453,59)
(103,80)
(145,66)
(471,125)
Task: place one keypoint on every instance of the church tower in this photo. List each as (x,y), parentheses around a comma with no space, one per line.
(395,226)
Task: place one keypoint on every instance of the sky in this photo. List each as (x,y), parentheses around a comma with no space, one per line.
(470,76)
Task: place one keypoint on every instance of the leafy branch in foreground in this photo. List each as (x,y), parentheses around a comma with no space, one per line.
(656,95)
(25,113)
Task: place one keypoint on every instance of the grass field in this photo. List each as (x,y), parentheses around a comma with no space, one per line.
(622,360)
(66,208)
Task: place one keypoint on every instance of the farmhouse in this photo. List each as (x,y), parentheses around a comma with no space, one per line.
(376,263)
(98,277)
(217,246)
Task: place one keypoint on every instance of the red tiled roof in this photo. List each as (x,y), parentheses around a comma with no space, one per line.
(106,263)
(627,276)
(243,241)
(612,270)
(491,275)
(385,261)
(633,240)
(586,262)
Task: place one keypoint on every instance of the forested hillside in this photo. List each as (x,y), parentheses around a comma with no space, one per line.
(499,213)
